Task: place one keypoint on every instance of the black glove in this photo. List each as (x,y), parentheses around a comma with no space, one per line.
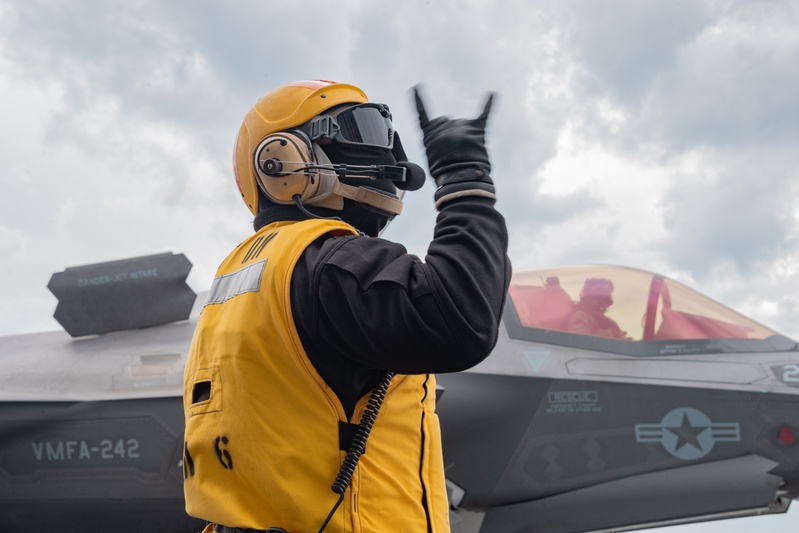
(456,154)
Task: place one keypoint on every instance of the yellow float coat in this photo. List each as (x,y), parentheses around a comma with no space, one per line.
(262,427)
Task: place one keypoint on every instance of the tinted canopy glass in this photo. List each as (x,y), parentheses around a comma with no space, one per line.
(624,304)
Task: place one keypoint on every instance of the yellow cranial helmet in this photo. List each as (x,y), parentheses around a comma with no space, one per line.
(284,108)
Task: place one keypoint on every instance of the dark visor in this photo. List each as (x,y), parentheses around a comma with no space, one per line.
(361,126)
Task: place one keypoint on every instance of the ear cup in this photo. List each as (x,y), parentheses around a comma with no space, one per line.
(281,162)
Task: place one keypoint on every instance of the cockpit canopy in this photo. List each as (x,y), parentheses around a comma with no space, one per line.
(623,304)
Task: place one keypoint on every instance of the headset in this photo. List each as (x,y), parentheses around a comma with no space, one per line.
(291,169)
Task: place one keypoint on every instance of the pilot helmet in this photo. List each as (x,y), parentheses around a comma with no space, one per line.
(597,287)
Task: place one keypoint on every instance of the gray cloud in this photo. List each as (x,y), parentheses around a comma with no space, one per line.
(743,214)
(625,46)
(142,102)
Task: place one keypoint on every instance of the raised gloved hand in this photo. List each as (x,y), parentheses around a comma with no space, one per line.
(456,154)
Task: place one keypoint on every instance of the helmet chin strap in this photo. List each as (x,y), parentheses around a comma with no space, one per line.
(331,194)
(368,196)
(361,194)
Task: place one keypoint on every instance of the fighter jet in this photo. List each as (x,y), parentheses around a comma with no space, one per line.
(616,399)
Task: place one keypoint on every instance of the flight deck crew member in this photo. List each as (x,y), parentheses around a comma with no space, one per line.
(316,330)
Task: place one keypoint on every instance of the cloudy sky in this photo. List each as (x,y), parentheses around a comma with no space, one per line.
(660,135)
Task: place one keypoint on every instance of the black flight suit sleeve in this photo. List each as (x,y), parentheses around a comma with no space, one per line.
(364,305)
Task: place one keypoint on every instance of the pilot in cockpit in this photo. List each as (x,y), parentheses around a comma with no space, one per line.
(589,316)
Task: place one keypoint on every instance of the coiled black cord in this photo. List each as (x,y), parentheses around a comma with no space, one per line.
(358,445)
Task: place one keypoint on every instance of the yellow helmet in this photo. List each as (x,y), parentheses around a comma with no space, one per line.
(286,107)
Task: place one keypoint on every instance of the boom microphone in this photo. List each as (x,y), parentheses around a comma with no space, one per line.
(414,176)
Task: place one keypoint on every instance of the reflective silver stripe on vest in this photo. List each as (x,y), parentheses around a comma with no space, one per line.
(248,279)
